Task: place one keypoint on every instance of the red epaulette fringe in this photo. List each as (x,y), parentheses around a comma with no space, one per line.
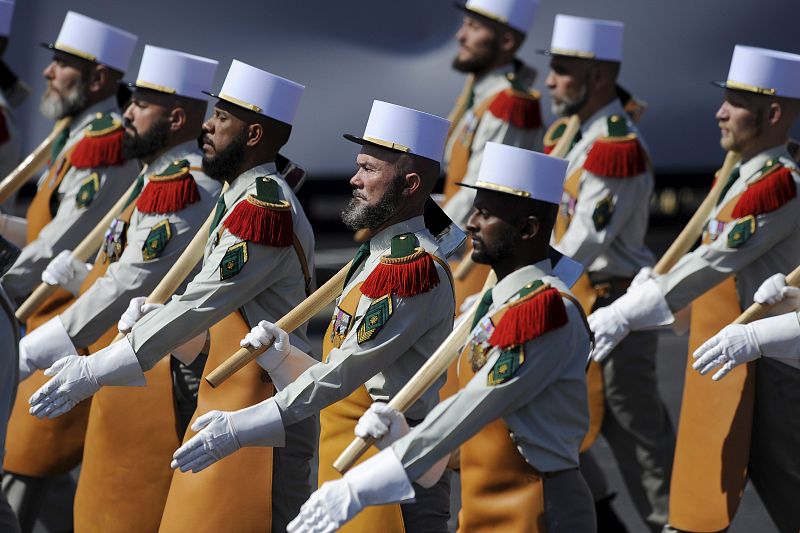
(530,317)
(170,196)
(767,194)
(521,111)
(265,223)
(101,151)
(610,158)
(404,277)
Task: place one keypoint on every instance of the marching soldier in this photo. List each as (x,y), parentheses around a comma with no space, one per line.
(498,104)
(750,234)
(396,308)
(521,412)
(171,201)
(258,262)
(777,336)
(87,176)
(602,224)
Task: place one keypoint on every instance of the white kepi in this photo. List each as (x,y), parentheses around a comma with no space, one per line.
(173,72)
(404,130)
(763,71)
(6,14)
(521,172)
(94,41)
(518,14)
(587,38)
(261,92)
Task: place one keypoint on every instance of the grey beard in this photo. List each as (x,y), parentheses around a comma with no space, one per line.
(358,216)
(566,108)
(53,106)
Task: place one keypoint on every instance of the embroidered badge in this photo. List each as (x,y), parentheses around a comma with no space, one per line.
(156,240)
(341,327)
(114,241)
(233,261)
(374,319)
(87,190)
(741,231)
(602,213)
(479,343)
(507,365)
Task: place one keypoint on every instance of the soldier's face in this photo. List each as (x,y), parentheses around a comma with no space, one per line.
(568,82)
(377,189)
(478,46)
(740,120)
(147,125)
(67,86)
(224,137)
(492,228)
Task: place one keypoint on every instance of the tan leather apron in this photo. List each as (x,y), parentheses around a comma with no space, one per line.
(46,447)
(124,477)
(713,445)
(234,494)
(587,296)
(337,422)
(500,491)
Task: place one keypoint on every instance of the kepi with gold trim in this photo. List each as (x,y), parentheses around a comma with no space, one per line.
(173,72)
(586,38)
(516,14)
(763,71)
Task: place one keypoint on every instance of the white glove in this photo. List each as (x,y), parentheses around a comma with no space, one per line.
(43,346)
(377,481)
(383,423)
(268,334)
(66,271)
(644,274)
(78,377)
(777,336)
(14,229)
(220,433)
(137,308)
(642,307)
(775,292)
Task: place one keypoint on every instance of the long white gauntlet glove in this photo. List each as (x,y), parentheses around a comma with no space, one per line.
(43,346)
(137,308)
(66,271)
(377,481)
(642,307)
(774,291)
(282,361)
(220,433)
(77,377)
(777,336)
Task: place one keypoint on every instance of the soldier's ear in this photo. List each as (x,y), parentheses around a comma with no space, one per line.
(255,132)
(774,113)
(530,228)
(98,78)
(177,119)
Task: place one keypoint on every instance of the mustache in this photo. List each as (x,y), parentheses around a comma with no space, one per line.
(357,194)
(128,125)
(207,140)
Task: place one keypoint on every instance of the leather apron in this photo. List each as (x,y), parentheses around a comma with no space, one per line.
(125,478)
(500,491)
(337,423)
(587,296)
(44,447)
(713,443)
(234,494)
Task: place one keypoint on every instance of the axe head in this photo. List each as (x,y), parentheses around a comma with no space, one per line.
(447,233)
(294,174)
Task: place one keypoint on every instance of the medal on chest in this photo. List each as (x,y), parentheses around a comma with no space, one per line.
(567,206)
(479,346)
(714,229)
(342,322)
(114,241)
(470,125)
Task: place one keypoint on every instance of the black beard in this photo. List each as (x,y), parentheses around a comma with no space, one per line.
(357,216)
(492,253)
(135,146)
(226,162)
(478,64)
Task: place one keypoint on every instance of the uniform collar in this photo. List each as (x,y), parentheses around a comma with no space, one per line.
(176,153)
(85,117)
(493,81)
(749,168)
(511,284)
(596,125)
(247,179)
(382,241)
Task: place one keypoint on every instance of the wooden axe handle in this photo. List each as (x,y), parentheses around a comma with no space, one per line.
(757,310)
(436,365)
(89,245)
(31,164)
(694,227)
(291,321)
(560,150)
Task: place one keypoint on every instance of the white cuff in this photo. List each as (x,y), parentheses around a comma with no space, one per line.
(644,307)
(290,367)
(47,344)
(380,480)
(778,336)
(259,425)
(117,365)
